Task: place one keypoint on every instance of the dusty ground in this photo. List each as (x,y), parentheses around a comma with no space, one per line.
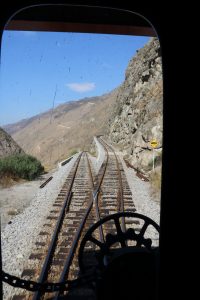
(15,199)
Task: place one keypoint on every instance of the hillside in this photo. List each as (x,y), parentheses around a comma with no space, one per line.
(54,135)
(7,145)
(137,115)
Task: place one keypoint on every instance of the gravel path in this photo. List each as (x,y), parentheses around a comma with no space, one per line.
(14,199)
(19,237)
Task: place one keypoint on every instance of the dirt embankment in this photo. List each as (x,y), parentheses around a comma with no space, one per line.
(14,199)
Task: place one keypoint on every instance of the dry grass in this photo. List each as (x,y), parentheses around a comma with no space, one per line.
(155,183)
(7,181)
(13,212)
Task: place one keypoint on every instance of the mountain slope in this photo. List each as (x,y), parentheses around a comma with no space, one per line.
(53,135)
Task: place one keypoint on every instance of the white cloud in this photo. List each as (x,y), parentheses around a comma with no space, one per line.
(81,87)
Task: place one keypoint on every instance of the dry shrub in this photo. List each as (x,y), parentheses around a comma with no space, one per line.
(7,181)
(155,183)
(13,212)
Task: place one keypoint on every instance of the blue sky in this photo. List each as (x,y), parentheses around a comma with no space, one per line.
(42,68)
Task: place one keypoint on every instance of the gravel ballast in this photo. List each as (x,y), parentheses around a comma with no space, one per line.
(144,202)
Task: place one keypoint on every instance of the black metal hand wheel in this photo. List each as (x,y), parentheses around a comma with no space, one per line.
(120,237)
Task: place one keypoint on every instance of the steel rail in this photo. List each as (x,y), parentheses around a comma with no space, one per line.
(120,190)
(70,256)
(95,200)
(52,246)
(73,248)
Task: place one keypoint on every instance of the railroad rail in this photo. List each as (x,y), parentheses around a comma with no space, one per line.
(85,199)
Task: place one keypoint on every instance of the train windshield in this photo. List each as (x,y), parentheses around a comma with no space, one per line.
(80,144)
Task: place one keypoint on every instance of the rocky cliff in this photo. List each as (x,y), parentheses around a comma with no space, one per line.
(7,145)
(137,116)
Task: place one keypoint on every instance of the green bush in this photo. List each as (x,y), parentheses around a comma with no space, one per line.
(20,166)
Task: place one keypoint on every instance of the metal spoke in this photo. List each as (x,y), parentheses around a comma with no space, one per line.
(119,232)
(96,242)
(141,234)
(118,226)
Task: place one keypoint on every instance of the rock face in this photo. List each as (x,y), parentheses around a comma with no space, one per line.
(137,116)
(7,145)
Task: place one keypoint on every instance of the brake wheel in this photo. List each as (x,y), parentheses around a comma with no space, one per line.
(105,253)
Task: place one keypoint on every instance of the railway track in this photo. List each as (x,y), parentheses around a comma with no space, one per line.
(84,199)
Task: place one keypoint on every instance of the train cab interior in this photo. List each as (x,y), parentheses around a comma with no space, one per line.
(138,273)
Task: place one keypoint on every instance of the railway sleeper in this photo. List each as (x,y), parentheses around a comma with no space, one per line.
(40,244)
(51,218)
(58,262)
(54,211)
(108,196)
(37,256)
(48,224)
(129,204)
(28,272)
(109,208)
(129,221)
(130,209)
(44,233)
(128,199)
(61,255)
(63,250)
(19,297)
(59,203)
(66,243)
